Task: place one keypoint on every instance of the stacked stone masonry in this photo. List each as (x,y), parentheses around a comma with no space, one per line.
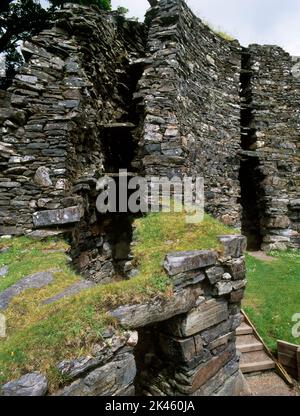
(182,345)
(270,141)
(99,93)
(167,97)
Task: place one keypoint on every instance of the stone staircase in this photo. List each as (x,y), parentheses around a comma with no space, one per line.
(254,358)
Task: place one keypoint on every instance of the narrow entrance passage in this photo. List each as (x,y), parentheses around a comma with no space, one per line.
(250,176)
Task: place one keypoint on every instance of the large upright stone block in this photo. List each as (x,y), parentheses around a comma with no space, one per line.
(206,315)
(234,245)
(181,350)
(203,373)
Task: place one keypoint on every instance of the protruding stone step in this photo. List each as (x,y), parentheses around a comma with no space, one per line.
(248,343)
(244,329)
(121,174)
(256,361)
(118,126)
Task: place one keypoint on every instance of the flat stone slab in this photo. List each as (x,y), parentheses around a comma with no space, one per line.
(70,291)
(158,310)
(261,255)
(3,271)
(57,216)
(185,261)
(44,234)
(32,384)
(35,281)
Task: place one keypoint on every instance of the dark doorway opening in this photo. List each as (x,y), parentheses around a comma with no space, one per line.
(250,201)
(119,147)
(120,237)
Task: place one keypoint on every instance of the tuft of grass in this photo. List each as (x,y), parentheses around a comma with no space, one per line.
(39,336)
(224,35)
(160,234)
(272,296)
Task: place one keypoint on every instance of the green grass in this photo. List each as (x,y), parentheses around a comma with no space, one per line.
(26,255)
(273,296)
(224,35)
(40,336)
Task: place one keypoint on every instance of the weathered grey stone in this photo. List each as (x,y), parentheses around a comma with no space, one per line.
(133,339)
(223,288)
(158,310)
(42,177)
(237,268)
(189,260)
(214,274)
(234,245)
(221,341)
(33,384)
(217,381)
(204,316)
(236,321)
(44,234)
(10,185)
(57,216)
(70,291)
(237,296)
(107,380)
(102,353)
(35,281)
(187,350)
(239,284)
(182,280)
(296,70)
(215,332)
(202,374)
(3,271)
(235,386)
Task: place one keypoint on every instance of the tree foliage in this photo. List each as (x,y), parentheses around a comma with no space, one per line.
(22,19)
(19,21)
(102,4)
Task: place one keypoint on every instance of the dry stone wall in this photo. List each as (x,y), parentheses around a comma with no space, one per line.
(73,86)
(168,97)
(270,140)
(192,106)
(179,345)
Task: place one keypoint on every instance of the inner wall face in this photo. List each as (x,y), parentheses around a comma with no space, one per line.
(168,98)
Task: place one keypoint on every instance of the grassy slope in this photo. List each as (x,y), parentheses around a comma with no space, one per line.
(273,296)
(39,336)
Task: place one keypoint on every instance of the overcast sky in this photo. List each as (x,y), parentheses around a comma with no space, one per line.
(253,21)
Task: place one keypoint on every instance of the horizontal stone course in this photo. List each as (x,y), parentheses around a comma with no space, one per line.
(189,260)
(57,217)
